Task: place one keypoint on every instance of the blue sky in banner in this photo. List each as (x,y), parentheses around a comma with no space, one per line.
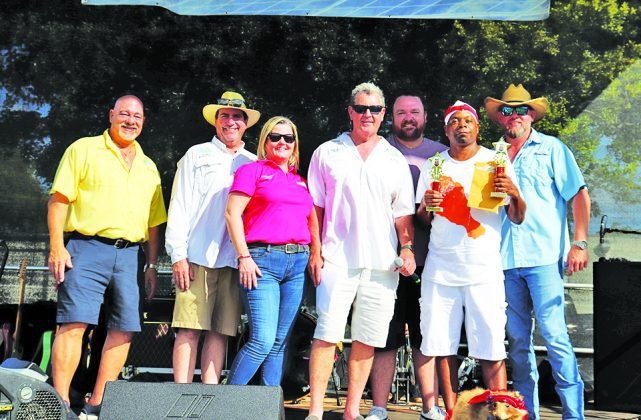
(417,9)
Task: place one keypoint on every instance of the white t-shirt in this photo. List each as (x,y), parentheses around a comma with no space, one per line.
(361,201)
(196,227)
(464,247)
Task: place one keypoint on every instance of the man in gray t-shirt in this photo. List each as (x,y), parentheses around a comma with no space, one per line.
(408,123)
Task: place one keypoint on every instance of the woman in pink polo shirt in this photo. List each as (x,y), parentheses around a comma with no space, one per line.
(269,216)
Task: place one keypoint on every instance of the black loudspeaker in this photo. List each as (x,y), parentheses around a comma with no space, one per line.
(155,401)
(617,335)
(25,395)
(153,346)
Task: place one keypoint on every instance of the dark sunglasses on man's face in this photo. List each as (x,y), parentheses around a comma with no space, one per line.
(275,138)
(231,102)
(374,109)
(521,110)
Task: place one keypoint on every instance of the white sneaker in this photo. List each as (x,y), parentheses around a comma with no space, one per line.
(377,413)
(435,413)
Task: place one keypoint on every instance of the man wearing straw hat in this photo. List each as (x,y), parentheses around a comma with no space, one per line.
(203,258)
(534,253)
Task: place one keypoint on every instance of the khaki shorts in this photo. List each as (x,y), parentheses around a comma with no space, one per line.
(211,303)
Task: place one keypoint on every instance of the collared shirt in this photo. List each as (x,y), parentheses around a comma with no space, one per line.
(196,227)
(361,199)
(280,204)
(106,198)
(548,177)
(465,242)
(416,158)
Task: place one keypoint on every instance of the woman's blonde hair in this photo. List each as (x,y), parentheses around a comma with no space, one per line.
(267,129)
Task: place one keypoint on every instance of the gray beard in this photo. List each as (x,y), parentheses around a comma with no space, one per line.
(515,134)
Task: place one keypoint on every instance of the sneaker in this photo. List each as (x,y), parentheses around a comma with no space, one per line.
(435,413)
(377,413)
(90,412)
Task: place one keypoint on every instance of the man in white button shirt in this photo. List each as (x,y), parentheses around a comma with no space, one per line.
(362,191)
(203,258)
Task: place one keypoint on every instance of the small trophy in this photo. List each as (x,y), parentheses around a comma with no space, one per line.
(436,171)
(500,158)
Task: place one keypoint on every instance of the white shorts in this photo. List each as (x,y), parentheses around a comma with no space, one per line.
(371,291)
(442,316)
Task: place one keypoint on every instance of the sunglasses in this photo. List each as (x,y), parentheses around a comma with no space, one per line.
(374,109)
(275,138)
(231,102)
(521,110)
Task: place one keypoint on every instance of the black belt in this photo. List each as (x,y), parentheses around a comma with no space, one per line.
(287,248)
(116,243)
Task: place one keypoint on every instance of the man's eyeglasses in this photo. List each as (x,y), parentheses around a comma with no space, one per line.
(521,110)
(374,109)
(231,102)
(275,138)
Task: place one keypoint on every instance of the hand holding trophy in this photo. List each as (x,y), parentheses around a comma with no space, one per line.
(500,158)
(436,171)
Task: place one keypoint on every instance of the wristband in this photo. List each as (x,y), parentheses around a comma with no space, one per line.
(408,246)
(152,266)
(242,257)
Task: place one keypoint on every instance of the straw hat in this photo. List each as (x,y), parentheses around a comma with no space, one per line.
(515,96)
(230,100)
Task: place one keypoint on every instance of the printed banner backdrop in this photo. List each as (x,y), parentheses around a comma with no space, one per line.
(414,9)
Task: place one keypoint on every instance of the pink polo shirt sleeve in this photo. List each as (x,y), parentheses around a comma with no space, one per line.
(245,178)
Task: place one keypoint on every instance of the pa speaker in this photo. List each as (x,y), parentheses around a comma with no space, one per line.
(617,335)
(155,401)
(24,395)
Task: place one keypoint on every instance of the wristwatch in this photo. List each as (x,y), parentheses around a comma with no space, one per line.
(580,244)
(152,266)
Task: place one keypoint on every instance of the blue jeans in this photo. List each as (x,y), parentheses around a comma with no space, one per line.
(541,289)
(271,310)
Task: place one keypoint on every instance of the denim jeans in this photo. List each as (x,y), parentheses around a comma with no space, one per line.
(271,310)
(541,289)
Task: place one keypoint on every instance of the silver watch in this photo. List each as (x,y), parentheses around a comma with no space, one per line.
(580,244)
(152,266)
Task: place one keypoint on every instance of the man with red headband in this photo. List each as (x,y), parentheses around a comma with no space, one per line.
(463,267)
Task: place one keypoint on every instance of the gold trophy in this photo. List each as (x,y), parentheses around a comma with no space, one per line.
(500,158)
(436,172)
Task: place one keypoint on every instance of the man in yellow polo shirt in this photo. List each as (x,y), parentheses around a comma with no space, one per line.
(107,195)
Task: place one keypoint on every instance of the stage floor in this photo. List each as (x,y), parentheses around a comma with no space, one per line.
(298,411)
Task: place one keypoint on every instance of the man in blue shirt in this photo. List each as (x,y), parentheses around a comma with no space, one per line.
(534,252)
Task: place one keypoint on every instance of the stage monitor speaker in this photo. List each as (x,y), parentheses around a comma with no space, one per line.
(148,400)
(617,335)
(26,396)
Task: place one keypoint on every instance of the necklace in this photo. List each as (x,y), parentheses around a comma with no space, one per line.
(128,154)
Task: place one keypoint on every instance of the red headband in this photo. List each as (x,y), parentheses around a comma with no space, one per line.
(460,106)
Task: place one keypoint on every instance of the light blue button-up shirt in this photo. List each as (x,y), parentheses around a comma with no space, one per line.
(548,177)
